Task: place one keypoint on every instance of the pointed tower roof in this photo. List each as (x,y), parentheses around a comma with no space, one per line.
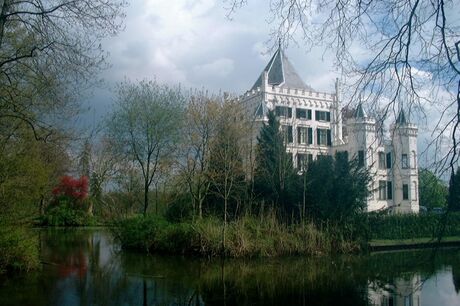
(281,72)
(359,112)
(401,118)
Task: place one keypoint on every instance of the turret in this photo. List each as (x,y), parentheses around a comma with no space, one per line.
(337,116)
(405,176)
(362,137)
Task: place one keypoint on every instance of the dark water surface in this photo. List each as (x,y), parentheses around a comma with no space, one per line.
(84,267)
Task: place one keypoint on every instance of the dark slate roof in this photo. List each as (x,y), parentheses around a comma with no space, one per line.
(401,118)
(359,112)
(261,110)
(281,73)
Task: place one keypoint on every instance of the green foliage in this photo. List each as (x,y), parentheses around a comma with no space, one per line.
(179,210)
(225,172)
(64,214)
(433,192)
(336,188)
(275,179)
(23,177)
(454,191)
(145,128)
(139,232)
(18,249)
(406,226)
(245,237)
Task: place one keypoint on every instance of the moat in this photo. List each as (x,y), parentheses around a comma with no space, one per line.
(85,267)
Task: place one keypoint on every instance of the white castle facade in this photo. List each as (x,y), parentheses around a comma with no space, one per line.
(313,124)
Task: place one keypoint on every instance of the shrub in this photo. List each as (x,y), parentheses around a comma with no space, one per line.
(139,232)
(64,215)
(179,211)
(73,188)
(413,226)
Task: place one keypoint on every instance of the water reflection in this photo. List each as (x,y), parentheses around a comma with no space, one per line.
(83,267)
(404,291)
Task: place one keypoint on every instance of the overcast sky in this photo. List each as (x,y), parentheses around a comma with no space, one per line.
(192,42)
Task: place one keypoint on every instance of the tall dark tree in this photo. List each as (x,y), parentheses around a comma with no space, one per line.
(275,178)
(337,187)
(453,199)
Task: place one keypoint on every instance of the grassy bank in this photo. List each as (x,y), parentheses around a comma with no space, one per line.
(266,237)
(245,237)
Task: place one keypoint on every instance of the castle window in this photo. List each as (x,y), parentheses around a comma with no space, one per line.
(371,192)
(304,135)
(389,190)
(389,160)
(290,158)
(302,113)
(382,190)
(303,160)
(360,158)
(405,191)
(323,137)
(381,160)
(283,111)
(405,161)
(322,116)
(287,133)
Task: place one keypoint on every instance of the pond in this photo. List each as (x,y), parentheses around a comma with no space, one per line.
(85,267)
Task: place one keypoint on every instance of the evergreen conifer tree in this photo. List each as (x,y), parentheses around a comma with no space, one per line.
(275,178)
(454,191)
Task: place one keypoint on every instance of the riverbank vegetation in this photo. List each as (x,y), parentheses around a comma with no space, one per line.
(245,237)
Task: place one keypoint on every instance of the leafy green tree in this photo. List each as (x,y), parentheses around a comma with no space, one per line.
(337,188)
(202,117)
(145,127)
(49,53)
(453,200)
(275,179)
(433,192)
(226,173)
(28,171)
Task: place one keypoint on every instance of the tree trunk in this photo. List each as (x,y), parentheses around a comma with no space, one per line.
(146,197)
(225,225)
(200,208)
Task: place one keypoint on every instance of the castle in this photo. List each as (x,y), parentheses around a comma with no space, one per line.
(314,125)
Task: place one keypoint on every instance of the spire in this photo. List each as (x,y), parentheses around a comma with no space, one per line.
(281,72)
(401,118)
(359,112)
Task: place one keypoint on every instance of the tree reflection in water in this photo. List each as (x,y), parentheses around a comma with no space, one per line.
(83,267)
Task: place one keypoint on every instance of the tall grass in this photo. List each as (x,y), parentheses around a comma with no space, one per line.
(245,237)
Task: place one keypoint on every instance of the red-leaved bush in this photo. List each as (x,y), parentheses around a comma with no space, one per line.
(76,189)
